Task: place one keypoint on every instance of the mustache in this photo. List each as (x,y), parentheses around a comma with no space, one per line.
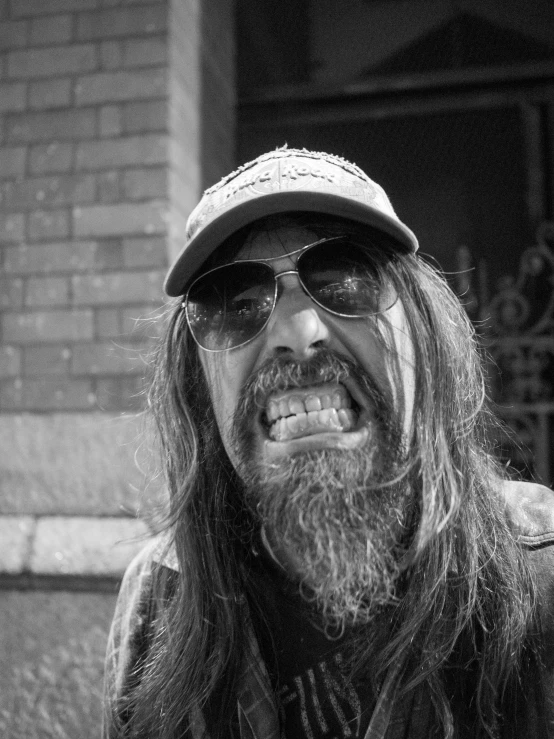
(281,373)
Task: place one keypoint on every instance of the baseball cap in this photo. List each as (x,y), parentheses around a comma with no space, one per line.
(283,181)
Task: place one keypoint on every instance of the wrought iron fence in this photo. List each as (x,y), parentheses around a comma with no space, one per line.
(520,343)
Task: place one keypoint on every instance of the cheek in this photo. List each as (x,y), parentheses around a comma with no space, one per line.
(225,375)
(218,386)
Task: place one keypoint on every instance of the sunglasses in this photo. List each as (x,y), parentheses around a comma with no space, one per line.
(231,305)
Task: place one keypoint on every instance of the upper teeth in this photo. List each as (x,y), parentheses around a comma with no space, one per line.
(304,401)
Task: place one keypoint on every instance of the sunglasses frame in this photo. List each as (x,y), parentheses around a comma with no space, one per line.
(276,275)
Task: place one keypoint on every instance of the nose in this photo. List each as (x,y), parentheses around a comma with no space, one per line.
(296,328)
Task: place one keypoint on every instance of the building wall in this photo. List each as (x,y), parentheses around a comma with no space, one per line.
(105,109)
(113,116)
(378,29)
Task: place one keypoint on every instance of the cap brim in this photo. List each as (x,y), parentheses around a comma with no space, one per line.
(195,253)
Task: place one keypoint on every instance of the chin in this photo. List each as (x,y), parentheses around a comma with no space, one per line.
(336,526)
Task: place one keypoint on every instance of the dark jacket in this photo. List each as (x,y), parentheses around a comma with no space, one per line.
(528,706)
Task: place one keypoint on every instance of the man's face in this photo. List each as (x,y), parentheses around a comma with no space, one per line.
(298,329)
(315,414)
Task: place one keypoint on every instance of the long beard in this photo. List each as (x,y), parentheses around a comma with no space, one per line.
(340,516)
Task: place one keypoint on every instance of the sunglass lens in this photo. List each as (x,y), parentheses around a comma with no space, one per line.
(346,279)
(229,306)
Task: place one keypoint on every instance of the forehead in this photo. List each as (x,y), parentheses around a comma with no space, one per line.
(276,242)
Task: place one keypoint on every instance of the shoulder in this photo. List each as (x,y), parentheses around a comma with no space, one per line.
(530,509)
(134,590)
(134,615)
(137,583)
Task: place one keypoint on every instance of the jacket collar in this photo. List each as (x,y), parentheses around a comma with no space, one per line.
(530,509)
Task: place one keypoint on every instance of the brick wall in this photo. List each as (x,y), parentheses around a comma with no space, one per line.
(113,116)
(108,121)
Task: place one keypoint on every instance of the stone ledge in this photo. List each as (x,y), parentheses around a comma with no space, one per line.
(28,582)
(46,551)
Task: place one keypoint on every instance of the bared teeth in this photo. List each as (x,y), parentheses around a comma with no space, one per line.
(313,422)
(296,405)
(272,410)
(313,403)
(298,402)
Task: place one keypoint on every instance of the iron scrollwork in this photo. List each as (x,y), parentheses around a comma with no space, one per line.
(521,345)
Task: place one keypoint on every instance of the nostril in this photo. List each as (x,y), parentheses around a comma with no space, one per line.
(296,330)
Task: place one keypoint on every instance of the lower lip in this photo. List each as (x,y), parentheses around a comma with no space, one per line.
(327,440)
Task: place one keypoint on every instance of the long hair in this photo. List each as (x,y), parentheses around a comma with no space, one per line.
(465,578)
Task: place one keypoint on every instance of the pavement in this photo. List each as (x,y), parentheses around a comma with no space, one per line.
(59,577)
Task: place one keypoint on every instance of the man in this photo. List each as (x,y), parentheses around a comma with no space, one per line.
(343,556)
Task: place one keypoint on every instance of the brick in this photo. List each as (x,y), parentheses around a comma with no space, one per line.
(86,545)
(47,326)
(10,363)
(12,227)
(16,534)
(47,258)
(11,293)
(102,358)
(44,225)
(145,184)
(108,323)
(144,252)
(59,125)
(12,162)
(47,394)
(13,34)
(109,254)
(111,121)
(54,93)
(109,187)
(145,52)
(117,288)
(23,8)
(120,393)
(122,22)
(145,116)
(111,54)
(55,29)
(123,152)
(126,218)
(12,96)
(46,292)
(55,157)
(120,85)
(54,60)
(46,360)
(46,191)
